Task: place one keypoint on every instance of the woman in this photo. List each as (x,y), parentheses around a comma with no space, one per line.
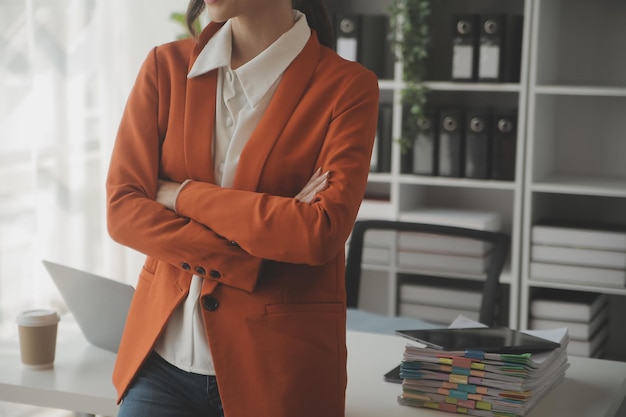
(238,169)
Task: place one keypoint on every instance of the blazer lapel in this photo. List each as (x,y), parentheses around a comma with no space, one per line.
(199,118)
(198,125)
(290,90)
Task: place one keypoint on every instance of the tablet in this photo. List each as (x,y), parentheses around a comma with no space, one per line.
(393,375)
(483,339)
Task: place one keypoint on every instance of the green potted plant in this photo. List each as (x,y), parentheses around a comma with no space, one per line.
(181,19)
(410,34)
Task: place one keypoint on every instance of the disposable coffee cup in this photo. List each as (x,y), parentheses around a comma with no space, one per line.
(38,338)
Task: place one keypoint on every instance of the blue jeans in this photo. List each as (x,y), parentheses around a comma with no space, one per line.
(162,390)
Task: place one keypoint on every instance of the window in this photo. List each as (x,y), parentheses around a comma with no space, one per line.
(66,67)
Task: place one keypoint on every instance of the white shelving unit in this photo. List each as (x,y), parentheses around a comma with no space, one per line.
(405,192)
(571,150)
(575,165)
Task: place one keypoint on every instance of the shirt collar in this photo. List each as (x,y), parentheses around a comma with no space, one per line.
(260,73)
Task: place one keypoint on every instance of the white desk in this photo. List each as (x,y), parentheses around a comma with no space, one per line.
(80,381)
(592,387)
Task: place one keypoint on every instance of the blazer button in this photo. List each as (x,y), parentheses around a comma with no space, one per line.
(215,274)
(185,266)
(210,303)
(200,270)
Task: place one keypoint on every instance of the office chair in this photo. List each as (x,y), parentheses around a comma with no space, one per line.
(500,247)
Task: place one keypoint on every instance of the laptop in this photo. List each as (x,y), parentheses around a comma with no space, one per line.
(99,305)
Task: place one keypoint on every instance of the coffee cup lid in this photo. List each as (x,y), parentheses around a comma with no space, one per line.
(38,317)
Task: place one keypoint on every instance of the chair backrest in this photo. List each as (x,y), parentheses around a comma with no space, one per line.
(498,254)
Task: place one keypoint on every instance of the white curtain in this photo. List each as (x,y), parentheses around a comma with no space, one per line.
(66,67)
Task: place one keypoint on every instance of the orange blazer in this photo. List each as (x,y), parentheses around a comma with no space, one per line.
(273,267)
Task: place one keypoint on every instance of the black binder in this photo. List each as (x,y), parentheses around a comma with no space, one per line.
(374,46)
(478,144)
(512,52)
(491,48)
(504,144)
(347,33)
(464,47)
(425,145)
(451,143)
(384,142)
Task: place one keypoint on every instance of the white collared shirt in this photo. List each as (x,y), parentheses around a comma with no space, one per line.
(245,91)
(242,97)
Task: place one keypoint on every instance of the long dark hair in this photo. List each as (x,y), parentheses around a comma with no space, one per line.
(315,11)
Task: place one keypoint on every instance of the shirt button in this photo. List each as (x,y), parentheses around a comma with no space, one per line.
(210,303)
(229,121)
(233,243)
(185,266)
(200,270)
(215,274)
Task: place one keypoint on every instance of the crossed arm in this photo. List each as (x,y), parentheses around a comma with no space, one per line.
(167,191)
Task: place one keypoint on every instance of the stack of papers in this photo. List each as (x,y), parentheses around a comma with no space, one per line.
(479,383)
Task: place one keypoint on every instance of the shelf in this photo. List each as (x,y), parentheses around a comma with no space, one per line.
(575,166)
(572,90)
(579,185)
(534,282)
(456,182)
(472,87)
(455,86)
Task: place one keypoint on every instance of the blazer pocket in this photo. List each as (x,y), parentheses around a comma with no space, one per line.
(150,264)
(146,274)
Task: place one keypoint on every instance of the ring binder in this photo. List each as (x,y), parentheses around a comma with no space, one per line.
(385,140)
(464,48)
(490,53)
(504,145)
(451,143)
(477,145)
(374,49)
(425,146)
(347,41)
(512,52)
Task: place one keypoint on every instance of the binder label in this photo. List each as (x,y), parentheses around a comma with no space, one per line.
(489,61)
(346,48)
(462,61)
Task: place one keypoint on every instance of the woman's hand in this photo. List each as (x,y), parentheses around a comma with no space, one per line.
(167,191)
(318,182)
